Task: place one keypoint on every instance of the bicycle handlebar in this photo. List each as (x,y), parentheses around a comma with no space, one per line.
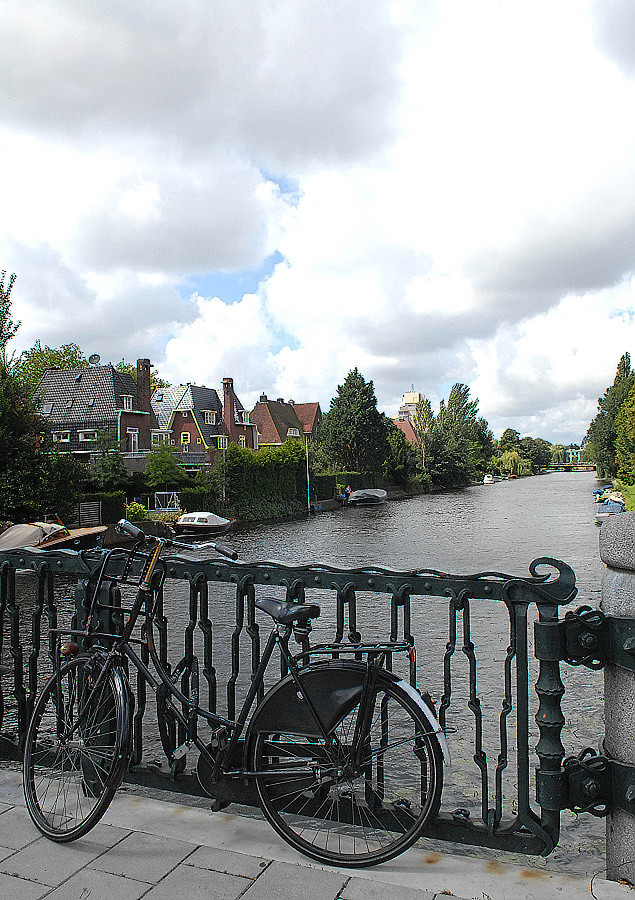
(128,528)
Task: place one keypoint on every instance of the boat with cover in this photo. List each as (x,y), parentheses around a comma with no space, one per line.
(206,523)
(49,536)
(367,497)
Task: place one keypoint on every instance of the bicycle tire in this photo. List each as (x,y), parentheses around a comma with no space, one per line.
(347,818)
(70,781)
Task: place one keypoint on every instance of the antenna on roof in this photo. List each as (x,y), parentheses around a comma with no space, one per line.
(94,360)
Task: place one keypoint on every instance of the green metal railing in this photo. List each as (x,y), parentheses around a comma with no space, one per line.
(31,603)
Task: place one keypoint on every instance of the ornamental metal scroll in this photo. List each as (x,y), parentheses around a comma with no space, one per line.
(191,639)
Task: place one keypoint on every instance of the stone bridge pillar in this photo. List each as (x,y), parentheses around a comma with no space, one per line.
(617,550)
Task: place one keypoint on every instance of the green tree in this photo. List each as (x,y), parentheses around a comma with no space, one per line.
(625,439)
(108,471)
(537,452)
(558,454)
(601,434)
(510,440)
(512,463)
(8,327)
(455,444)
(353,433)
(163,470)
(31,365)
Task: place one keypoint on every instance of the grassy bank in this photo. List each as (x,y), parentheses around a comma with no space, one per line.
(628,490)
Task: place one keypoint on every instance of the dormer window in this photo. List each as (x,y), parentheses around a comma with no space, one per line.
(209,416)
(126,400)
(293,432)
(47,409)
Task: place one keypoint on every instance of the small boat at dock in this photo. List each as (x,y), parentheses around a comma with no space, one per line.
(48,536)
(204,523)
(367,497)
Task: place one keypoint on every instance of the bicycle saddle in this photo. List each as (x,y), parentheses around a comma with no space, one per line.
(288,612)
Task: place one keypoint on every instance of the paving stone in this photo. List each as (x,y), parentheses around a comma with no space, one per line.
(191,883)
(144,857)
(227,861)
(49,863)
(16,828)
(95,885)
(364,889)
(18,889)
(282,880)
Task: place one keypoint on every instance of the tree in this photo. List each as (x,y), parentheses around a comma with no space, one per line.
(601,434)
(31,365)
(512,463)
(625,439)
(510,440)
(164,471)
(401,464)
(109,472)
(353,433)
(537,452)
(455,444)
(8,327)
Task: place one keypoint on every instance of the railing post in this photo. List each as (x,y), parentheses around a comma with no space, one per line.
(617,550)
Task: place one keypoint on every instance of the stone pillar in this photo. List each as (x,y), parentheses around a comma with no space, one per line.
(617,550)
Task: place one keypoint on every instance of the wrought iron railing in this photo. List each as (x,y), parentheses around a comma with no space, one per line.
(403,605)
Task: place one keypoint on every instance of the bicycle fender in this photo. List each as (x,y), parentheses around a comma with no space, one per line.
(430,715)
(124,748)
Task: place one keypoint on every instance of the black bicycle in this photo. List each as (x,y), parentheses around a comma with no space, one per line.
(346,758)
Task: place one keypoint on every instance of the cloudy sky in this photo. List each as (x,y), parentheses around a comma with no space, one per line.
(280,190)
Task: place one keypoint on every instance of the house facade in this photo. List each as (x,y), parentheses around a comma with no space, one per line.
(82,405)
(278,420)
(196,421)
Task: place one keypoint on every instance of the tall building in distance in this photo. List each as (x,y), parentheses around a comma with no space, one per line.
(408,406)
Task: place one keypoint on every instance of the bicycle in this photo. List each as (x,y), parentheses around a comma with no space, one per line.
(347,759)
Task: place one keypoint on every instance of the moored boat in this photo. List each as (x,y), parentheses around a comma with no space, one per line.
(48,536)
(205,523)
(608,508)
(488,479)
(367,497)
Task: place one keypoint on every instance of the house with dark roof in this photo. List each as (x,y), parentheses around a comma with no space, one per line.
(193,418)
(310,416)
(80,405)
(276,421)
(406,426)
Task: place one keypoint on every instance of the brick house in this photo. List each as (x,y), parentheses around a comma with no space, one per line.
(80,405)
(193,418)
(278,420)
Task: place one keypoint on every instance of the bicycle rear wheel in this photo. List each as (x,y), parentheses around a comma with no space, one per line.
(76,748)
(350,816)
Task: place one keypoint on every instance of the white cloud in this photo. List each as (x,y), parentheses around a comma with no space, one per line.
(446,187)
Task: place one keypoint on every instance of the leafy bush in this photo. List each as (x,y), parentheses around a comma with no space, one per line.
(136,512)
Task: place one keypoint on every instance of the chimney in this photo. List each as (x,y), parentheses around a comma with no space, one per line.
(143,385)
(228,404)
(263,398)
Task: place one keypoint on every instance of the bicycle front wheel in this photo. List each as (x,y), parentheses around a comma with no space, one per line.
(76,748)
(353,814)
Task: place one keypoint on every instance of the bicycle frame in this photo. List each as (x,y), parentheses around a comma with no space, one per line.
(228,731)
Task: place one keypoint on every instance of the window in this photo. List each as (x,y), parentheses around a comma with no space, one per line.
(90,402)
(242,441)
(88,435)
(47,409)
(209,416)
(222,442)
(159,437)
(159,398)
(69,403)
(199,440)
(242,417)
(133,439)
(293,432)
(62,437)
(126,401)
(185,437)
